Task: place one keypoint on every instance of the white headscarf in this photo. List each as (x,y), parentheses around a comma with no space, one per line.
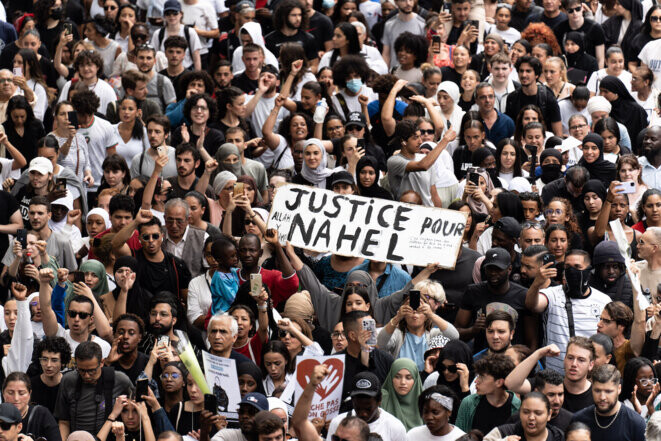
(100,212)
(317,176)
(221,180)
(450,88)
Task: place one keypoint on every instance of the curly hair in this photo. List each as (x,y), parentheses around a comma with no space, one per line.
(415,44)
(131,318)
(285,125)
(558,227)
(85,102)
(283,10)
(192,101)
(384,83)
(540,33)
(89,56)
(191,76)
(572,223)
(350,64)
(496,365)
(56,345)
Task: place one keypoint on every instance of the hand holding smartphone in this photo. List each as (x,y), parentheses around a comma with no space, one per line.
(255,285)
(370,325)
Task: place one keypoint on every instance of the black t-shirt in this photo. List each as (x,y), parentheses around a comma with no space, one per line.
(544,99)
(163,276)
(245,84)
(50,37)
(487,416)
(23,198)
(628,425)
(321,28)
(478,296)
(593,35)
(8,206)
(213,139)
(380,363)
(276,39)
(561,420)
(43,394)
(174,79)
(450,74)
(574,403)
(134,371)
(225,48)
(550,22)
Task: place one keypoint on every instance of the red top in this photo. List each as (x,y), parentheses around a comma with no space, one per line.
(640,227)
(252,349)
(281,288)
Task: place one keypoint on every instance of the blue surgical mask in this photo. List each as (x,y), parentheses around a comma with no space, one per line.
(327,4)
(355,85)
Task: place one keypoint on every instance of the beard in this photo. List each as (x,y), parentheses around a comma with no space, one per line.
(160,329)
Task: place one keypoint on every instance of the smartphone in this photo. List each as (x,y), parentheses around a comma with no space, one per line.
(532,149)
(370,325)
(548,258)
(61,184)
(68,28)
(447,7)
(141,389)
(211,403)
(255,285)
(78,277)
(161,150)
(73,119)
(238,189)
(22,237)
(436,44)
(628,187)
(474,178)
(414,299)
(18,72)
(474,23)
(163,340)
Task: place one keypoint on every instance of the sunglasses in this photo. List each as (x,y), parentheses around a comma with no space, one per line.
(82,315)
(427,131)
(282,333)
(109,8)
(6,426)
(153,236)
(655,18)
(535,225)
(576,9)
(248,222)
(452,369)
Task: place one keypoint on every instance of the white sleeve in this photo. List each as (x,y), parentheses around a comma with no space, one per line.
(195,292)
(20,354)
(195,42)
(42,102)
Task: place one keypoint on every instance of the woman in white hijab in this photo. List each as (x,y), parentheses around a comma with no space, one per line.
(314,171)
(447,96)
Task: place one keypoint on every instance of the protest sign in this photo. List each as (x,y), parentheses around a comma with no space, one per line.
(328,395)
(223,383)
(372,228)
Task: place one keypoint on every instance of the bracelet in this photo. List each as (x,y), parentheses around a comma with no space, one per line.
(262,307)
(111,420)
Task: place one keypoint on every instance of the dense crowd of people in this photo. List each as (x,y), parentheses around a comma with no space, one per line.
(143,144)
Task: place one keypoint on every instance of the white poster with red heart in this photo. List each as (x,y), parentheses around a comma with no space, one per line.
(328,395)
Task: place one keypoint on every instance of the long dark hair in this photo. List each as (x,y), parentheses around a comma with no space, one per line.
(18,102)
(643,200)
(138,128)
(353,44)
(517,150)
(518,124)
(647,24)
(359,291)
(116,162)
(278,347)
(30,59)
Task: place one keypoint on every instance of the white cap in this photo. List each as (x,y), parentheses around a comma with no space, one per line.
(41,165)
(66,201)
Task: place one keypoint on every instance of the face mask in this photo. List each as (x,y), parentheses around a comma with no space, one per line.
(327,4)
(550,172)
(577,281)
(355,85)
(56,13)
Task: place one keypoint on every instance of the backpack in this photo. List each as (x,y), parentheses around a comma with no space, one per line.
(103,393)
(187,31)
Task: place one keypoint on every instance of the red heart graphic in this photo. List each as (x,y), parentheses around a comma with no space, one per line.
(305,367)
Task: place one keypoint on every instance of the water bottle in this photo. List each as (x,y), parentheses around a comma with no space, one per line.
(320,111)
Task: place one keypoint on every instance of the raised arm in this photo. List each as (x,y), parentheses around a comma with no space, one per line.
(299,420)
(285,325)
(263,316)
(203,182)
(426,162)
(57,59)
(20,351)
(517,380)
(534,301)
(434,114)
(17,156)
(48,317)
(271,139)
(150,188)
(284,264)
(125,233)
(637,339)
(388,109)
(125,282)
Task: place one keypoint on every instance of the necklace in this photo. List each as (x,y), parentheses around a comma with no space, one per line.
(609,424)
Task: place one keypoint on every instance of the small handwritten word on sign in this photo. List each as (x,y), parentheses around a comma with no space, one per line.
(372,228)
(328,395)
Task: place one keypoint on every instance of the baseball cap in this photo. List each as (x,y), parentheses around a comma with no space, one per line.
(607,251)
(497,257)
(172,5)
(10,414)
(437,342)
(342,177)
(509,226)
(356,119)
(41,165)
(256,400)
(365,383)
(244,4)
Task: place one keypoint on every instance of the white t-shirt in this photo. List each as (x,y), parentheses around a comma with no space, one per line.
(386,425)
(372,12)
(202,15)
(651,56)
(352,101)
(100,136)
(6,171)
(443,171)
(61,332)
(42,99)
(422,433)
(586,312)
(596,77)
(194,44)
(103,90)
(128,150)
(262,112)
(270,157)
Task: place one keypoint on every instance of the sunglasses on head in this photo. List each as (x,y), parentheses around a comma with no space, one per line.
(81,314)
(452,368)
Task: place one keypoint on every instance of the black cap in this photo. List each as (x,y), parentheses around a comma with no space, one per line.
(497,257)
(365,383)
(10,414)
(356,119)
(607,251)
(172,5)
(342,177)
(509,226)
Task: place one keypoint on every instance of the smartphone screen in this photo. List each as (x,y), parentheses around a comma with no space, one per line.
(414,299)
(474,178)
(140,389)
(436,44)
(73,119)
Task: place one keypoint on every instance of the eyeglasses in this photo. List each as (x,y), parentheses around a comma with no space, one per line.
(172,220)
(535,225)
(153,236)
(337,334)
(334,129)
(6,426)
(200,108)
(173,375)
(576,9)
(655,18)
(46,360)
(88,371)
(648,381)
(81,314)
(427,131)
(550,211)
(452,368)
(580,126)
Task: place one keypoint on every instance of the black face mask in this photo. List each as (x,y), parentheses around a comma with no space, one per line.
(56,13)
(577,281)
(550,172)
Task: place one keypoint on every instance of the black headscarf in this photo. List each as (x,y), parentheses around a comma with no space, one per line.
(613,25)
(459,352)
(138,299)
(600,169)
(550,173)
(250,368)
(595,186)
(579,64)
(375,190)
(625,109)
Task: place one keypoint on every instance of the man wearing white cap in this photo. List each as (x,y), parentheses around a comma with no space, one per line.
(61,222)
(598,108)
(40,174)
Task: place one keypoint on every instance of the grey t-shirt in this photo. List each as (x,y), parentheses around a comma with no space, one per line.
(168,93)
(402,181)
(90,414)
(394,27)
